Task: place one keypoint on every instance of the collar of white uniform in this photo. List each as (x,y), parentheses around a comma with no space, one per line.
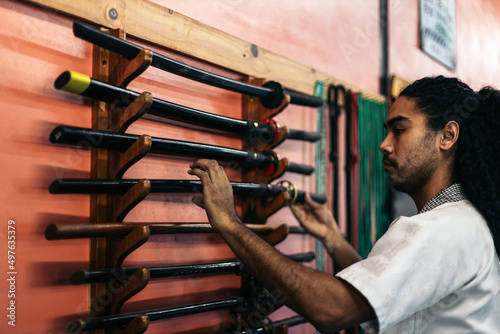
(453,193)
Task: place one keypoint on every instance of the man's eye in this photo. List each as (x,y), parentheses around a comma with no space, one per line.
(398,131)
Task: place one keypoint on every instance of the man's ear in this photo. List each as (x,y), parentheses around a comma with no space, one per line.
(449,135)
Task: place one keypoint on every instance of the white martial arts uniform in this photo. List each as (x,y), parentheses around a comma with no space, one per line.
(436,272)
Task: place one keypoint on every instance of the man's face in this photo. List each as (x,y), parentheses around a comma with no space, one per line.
(410,149)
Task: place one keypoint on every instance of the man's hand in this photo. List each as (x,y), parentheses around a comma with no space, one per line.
(318,221)
(217,197)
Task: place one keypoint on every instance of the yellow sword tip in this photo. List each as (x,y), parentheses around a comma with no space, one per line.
(73,82)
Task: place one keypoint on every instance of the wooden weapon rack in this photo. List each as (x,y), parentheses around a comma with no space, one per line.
(110,252)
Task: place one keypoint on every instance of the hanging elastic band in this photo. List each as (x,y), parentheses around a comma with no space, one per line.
(319,90)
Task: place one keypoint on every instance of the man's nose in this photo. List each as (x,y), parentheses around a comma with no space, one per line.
(386,147)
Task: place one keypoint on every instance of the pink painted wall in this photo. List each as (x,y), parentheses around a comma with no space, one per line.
(29,108)
(336,37)
(478,30)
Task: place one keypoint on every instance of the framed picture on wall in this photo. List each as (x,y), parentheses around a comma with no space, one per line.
(438,31)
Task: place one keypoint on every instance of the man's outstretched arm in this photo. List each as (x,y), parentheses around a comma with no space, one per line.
(318,221)
(328,303)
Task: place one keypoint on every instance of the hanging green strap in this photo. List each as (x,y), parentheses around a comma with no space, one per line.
(373,187)
(364,226)
(319,90)
(384,220)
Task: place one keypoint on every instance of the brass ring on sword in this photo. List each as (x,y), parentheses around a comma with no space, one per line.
(291,189)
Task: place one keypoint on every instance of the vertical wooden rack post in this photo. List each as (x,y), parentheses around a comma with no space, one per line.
(254,210)
(110,252)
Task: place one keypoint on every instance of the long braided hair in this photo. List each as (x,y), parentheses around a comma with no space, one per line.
(477,159)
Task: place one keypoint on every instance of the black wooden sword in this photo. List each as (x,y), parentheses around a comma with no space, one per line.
(121,186)
(153,315)
(267,161)
(265,132)
(271,94)
(122,274)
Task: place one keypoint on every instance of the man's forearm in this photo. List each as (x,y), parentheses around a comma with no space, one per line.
(342,253)
(271,268)
(319,297)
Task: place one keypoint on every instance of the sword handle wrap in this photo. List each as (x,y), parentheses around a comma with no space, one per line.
(315,197)
(304,135)
(300,169)
(304,99)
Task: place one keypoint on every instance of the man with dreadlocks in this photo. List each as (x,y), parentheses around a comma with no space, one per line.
(435,272)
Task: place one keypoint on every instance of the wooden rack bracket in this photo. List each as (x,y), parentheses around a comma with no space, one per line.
(123,161)
(283,164)
(129,288)
(120,248)
(121,72)
(121,205)
(110,252)
(253,291)
(127,70)
(261,144)
(278,235)
(138,326)
(283,329)
(255,110)
(257,212)
(282,134)
(259,175)
(121,118)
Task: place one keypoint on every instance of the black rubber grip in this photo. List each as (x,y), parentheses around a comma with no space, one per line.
(315,197)
(296,230)
(303,135)
(300,169)
(304,99)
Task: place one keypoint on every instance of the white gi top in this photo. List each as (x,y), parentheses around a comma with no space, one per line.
(436,272)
